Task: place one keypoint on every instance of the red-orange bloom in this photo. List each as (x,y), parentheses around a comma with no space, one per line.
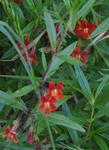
(51,96)
(80,55)
(84,29)
(32,57)
(10,134)
(55,90)
(6,131)
(47,104)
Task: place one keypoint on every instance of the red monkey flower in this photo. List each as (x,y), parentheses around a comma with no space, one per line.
(32,57)
(47,104)
(84,29)
(10,133)
(49,99)
(6,131)
(80,55)
(56,90)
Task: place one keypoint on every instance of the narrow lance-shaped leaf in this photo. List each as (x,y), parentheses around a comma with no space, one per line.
(72,132)
(44,62)
(101,143)
(7,99)
(85,9)
(50,29)
(70,60)
(23,91)
(64,121)
(84,84)
(63,100)
(100,87)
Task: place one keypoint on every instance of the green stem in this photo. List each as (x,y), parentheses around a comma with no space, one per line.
(91,121)
(50,134)
(89,126)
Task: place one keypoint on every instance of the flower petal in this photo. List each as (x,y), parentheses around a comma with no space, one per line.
(41,106)
(84,52)
(51,85)
(60,85)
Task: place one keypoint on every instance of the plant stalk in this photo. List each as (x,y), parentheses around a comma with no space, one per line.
(91,121)
(50,134)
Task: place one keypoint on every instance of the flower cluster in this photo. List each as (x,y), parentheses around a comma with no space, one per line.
(32,57)
(80,55)
(10,134)
(84,29)
(51,96)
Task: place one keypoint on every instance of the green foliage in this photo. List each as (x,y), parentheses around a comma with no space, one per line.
(81,119)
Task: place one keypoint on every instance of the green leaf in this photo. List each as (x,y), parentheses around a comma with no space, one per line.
(70,60)
(85,9)
(44,62)
(40,127)
(104,26)
(56,61)
(101,143)
(18,11)
(103,111)
(62,101)
(67,4)
(61,120)
(15,146)
(50,29)
(7,99)
(84,84)
(72,132)
(23,91)
(100,87)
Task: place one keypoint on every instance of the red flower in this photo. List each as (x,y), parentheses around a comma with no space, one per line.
(6,131)
(12,136)
(32,57)
(47,104)
(10,133)
(84,29)
(26,41)
(56,90)
(49,99)
(80,55)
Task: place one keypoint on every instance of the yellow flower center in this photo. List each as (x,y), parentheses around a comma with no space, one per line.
(54,92)
(86,30)
(47,105)
(78,56)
